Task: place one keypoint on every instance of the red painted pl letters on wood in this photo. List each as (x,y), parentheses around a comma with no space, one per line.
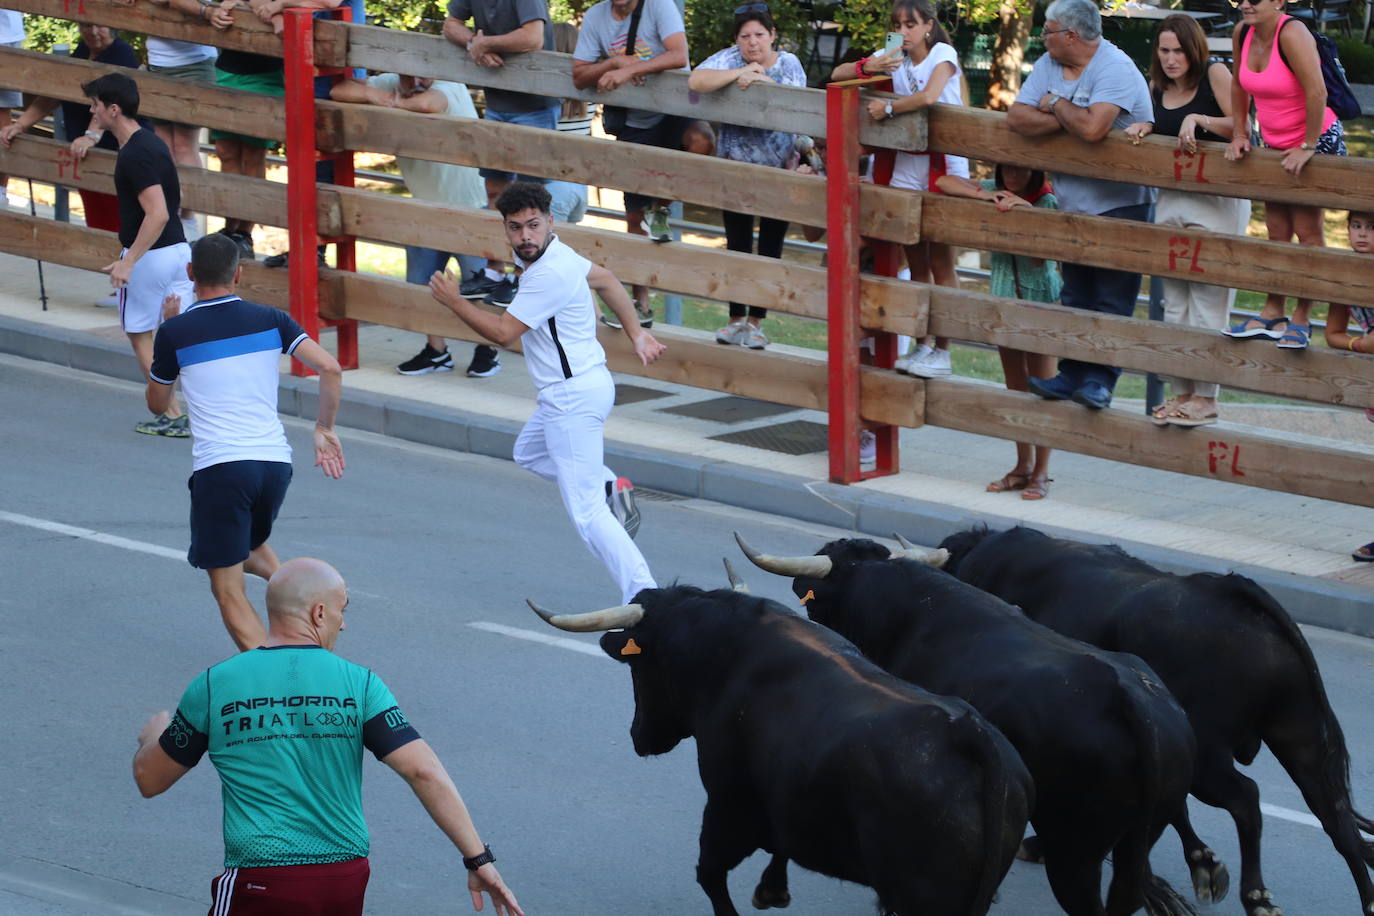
(1217,453)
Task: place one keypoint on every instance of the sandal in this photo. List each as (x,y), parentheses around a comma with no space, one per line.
(1242,330)
(1012,480)
(1160,415)
(1037,488)
(1190,413)
(1296,337)
(1364,554)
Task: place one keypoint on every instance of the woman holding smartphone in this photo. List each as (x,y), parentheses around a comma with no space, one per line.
(925,72)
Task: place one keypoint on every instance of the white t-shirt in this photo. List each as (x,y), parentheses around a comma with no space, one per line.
(602,36)
(556,303)
(168,52)
(440,182)
(11,27)
(912,170)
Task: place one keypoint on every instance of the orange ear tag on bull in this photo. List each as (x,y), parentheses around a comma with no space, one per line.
(631,648)
(809,596)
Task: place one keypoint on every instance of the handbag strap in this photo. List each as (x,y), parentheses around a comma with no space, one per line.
(631,35)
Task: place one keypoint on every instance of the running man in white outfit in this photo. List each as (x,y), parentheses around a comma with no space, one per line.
(554,315)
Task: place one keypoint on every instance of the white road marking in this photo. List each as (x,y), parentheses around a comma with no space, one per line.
(1288,814)
(561,642)
(100,537)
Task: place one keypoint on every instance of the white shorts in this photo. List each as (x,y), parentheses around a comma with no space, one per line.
(158,274)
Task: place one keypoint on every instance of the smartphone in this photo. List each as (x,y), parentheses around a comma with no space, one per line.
(894,42)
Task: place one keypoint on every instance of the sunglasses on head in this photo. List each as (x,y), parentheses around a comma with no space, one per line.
(1237,4)
(751,8)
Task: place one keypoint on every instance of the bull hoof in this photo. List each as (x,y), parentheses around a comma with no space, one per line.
(1031,850)
(766,898)
(1261,903)
(1211,880)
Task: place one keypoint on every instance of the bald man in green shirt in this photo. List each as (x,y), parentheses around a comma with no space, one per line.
(285,725)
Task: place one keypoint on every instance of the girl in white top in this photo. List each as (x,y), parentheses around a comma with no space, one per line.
(925,72)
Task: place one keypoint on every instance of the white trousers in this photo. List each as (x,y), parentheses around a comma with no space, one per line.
(563,442)
(1199,305)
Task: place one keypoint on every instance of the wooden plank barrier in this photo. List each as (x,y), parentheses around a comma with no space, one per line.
(1327,181)
(1328,274)
(1267,461)
(693,357)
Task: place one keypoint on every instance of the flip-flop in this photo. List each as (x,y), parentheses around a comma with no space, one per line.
(1241,330)
(1296,337)
(1160,415)
(1186,415)
(1037,488)
(1008,482)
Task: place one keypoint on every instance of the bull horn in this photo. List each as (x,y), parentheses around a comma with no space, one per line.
(611,618)
(810,567)
(736,582)
(937,557)
(906,545)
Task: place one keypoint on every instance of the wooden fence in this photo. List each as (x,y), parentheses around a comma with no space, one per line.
(885,305)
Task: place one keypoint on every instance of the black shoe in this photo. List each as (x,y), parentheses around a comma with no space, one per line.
(281,260)
(243,240)
(504,294)
(486,361)
(426,361)
(1093,394)
(477,286)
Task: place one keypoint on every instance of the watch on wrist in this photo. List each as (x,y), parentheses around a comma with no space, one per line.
(482,858)
(94,134)
(1054,100)
(1306,146)
(887,109)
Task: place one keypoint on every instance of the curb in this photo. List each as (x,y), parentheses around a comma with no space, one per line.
(1310,600)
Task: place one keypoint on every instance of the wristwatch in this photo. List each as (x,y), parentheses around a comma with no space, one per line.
(887,109)
(482,858)
(1304,146)
(1054,100)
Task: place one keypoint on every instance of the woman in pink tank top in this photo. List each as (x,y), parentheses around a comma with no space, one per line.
(1279,68)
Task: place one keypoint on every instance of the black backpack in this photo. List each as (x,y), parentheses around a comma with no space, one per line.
(1339,97)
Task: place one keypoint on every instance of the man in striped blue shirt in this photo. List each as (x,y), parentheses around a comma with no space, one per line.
(226,352)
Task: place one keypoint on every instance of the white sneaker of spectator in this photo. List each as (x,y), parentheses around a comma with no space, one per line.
(904,364)
(934,364)
(868,447)
(754,338)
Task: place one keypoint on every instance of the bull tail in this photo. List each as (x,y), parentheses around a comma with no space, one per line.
(1334,765)
(997,797)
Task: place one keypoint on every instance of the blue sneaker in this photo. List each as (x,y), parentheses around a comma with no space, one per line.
(1052,389)
(1094,394)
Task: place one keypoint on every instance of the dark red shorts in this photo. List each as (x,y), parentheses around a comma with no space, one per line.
(336,889)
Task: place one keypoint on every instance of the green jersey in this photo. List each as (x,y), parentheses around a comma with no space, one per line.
(285,727)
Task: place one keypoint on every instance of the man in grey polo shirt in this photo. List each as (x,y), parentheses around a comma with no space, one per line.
(1086,86)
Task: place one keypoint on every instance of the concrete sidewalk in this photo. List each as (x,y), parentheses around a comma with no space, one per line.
(1296,546)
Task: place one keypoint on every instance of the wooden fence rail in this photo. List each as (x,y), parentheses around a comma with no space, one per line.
(795,379)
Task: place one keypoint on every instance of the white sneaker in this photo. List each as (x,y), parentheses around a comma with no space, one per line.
(753,338)
(732,333)
(904,364)
(868,447)
(934,364)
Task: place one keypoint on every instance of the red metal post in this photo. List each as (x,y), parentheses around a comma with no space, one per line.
(298,53)
(842,263)
(345,247)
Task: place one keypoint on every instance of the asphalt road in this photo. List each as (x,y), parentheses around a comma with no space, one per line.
(440,549)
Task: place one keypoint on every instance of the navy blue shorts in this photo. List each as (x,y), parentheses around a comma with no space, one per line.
(233,506)
(666,134)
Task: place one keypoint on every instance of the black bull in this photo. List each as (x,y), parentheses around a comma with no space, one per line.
(1110,750)
(811,752)
(1230,654)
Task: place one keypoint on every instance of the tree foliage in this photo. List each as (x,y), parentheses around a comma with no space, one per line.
(711,26)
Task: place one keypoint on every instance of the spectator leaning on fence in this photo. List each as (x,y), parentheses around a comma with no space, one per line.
(99,45)
(925,72)
(751,59)
(435,182)
(1277,65)
(1019,277)
(1085,86)
(11,36)
(185,62)
(604,62)
(1340,317)
(1192,101)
